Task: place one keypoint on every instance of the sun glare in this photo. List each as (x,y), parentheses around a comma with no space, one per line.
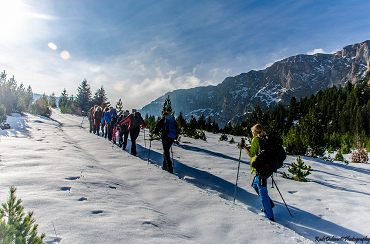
(52,46)
(65,55)
(118,87)
(12,17)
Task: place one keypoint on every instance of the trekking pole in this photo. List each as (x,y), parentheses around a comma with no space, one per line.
(150,145)
(144,138)
(281,197)
(173,163)
(83,117)
(237,175)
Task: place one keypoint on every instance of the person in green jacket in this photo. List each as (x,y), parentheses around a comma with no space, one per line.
(259,183)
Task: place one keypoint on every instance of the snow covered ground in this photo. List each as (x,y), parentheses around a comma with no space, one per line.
(84,190)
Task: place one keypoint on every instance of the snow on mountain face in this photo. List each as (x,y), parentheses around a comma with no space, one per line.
(297,76)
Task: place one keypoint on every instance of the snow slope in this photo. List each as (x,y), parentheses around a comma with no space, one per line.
(83,189)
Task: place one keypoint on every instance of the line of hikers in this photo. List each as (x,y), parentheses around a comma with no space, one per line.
(125,123)
(110,123)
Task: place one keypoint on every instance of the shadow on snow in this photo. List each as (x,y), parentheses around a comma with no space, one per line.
(305,223)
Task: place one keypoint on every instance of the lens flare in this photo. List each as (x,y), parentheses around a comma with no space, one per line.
(52,46)
(65,55)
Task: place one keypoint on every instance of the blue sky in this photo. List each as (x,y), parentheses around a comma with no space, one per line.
(139,50)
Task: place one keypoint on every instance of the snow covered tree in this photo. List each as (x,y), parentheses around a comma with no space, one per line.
(15,227)
(119,106)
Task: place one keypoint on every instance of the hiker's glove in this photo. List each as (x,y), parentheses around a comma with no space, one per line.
(242,143)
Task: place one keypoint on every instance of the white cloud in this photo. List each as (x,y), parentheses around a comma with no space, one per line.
(95,68)
(317,50)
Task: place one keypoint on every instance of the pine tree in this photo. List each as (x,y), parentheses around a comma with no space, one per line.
(83,99)
(299,171)
(215,128)
(100,98)
(209,124)
(15,227)
(52,100)
(167,106)
(119,106)
(181,122)
(201,122)
(192,127)
(312,134)
(294,143)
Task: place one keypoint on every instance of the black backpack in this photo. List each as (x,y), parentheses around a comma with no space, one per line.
(271,157)
(135,120)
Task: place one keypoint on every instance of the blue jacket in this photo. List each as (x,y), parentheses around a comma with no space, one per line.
(107,117)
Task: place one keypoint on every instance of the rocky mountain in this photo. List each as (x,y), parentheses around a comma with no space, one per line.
(297,76)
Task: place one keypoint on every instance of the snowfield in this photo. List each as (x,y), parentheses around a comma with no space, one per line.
(83,189)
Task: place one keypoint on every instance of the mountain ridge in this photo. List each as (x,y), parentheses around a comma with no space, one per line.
(299,76)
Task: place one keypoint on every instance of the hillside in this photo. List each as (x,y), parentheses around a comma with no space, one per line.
(83,189)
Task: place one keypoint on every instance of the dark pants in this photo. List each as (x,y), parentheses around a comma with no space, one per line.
(167,163)
(123,135)
(91,125)
(110,131)
(97,127)
(134,133)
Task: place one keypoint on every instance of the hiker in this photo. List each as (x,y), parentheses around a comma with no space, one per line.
(109,118)
(124,131)
(169,131)
(91,118)
(259,183)
(135,121)
(98,114)
(115,127)
(106,121)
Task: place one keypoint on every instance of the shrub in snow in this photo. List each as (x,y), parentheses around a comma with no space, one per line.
(200,134)
(153,137)
(232,140)
(299,171)
(41,107)
(15,227)
(359,155)
(339,156)
(223,137)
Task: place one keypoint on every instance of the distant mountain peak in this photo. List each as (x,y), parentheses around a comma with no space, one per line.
(300,75)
